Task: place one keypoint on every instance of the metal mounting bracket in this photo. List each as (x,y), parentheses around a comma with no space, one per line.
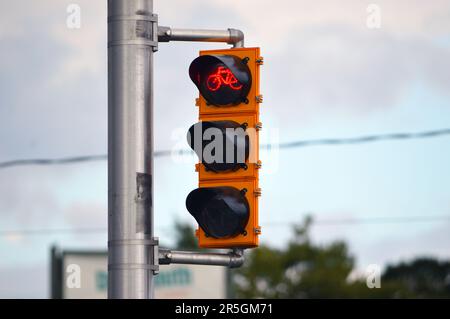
(234,37)
(233,259)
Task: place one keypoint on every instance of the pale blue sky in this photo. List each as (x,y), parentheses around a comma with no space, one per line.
(326,75)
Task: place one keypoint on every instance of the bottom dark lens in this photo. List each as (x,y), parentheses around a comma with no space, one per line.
(221,212)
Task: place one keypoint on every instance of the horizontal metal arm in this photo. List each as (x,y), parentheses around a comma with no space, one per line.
(232,259)
(230,36)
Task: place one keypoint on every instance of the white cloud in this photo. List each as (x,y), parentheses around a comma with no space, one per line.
(343,70)
(87,214)
(87,50)
(400,246)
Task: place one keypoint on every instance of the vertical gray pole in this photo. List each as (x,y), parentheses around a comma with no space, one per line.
(132,30)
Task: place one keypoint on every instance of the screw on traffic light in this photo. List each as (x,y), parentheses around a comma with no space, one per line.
(226,141)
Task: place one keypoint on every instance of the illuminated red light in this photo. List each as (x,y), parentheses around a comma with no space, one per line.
(222,76)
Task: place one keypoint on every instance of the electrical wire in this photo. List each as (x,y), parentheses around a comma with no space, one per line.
(47,161)
(364,139)
(320,222)
(288,145)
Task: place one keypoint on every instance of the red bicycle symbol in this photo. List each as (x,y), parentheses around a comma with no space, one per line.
(223,76)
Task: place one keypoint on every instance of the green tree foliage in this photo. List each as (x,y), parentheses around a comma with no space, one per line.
(420,278)
(304,269)
(307,270)
(185,238)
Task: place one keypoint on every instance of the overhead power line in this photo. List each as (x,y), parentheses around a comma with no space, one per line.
(320,222)
(365,139)
(48,161)
(294,144)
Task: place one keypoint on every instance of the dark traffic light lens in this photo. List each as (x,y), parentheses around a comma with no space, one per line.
(221,79)
(220,145)
(221,212)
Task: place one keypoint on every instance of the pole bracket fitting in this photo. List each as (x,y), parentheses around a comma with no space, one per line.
(234,37)
(151,243)
(142,29)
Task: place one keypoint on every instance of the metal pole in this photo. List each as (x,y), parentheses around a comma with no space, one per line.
(230,36)
(132,38)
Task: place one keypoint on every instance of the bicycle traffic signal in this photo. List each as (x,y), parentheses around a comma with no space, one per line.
(225,139)
(221,79)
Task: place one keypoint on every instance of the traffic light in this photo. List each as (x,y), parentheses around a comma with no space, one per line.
(225,205)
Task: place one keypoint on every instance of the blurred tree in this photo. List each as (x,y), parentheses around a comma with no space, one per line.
(306,270)
(420,278)
(185,236)
(302,270)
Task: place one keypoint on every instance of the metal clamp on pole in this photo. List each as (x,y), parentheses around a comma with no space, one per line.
(145,30)
(233,259)
(152,244)
(230,36)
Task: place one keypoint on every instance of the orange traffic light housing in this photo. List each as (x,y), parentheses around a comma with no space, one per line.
(226,203)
